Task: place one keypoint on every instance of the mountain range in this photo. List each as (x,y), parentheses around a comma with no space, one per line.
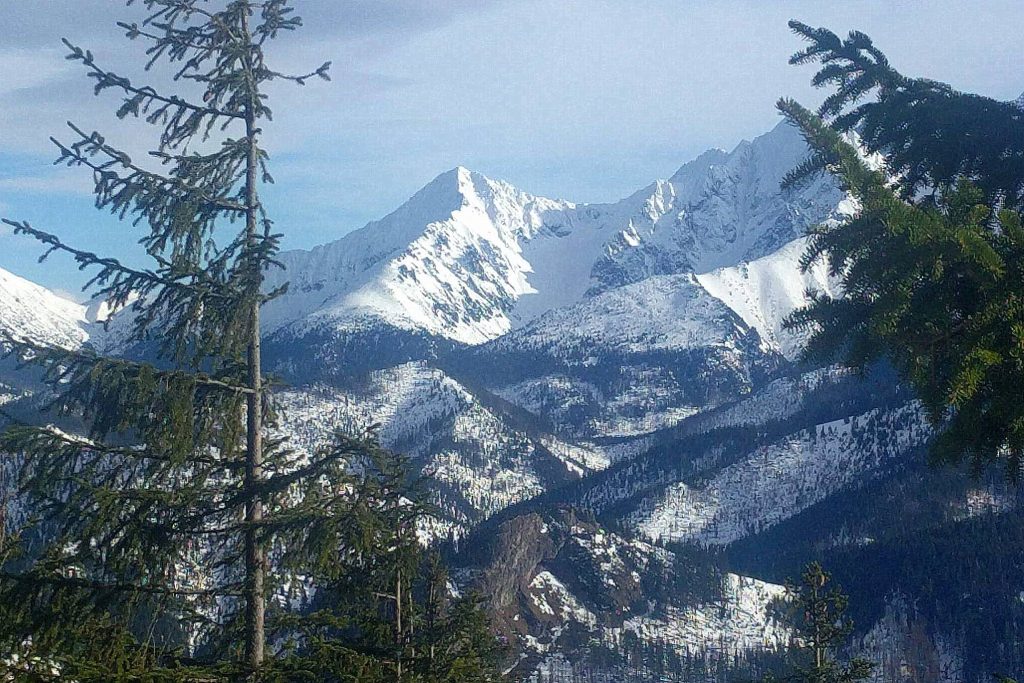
(628,452)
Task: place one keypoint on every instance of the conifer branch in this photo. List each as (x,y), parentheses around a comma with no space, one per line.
(25,437)
(91,144)
(143,280)
(92,585)
(141,96)
(32,353)
(321,72)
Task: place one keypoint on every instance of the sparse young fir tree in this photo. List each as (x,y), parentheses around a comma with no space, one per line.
(150,526)
(932,263)
(384,612)
(391,598)
(821,628)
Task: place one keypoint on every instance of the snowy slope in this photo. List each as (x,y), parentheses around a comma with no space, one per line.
(778,480)
(479,461)
(658,314)
(736,622)
(34,313)
(764,291)
(629,360)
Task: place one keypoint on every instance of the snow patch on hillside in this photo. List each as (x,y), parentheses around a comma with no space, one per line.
(904,648)
(778,400)
(765,291)
(739,622)
(552,598)
(779,480)
(663,313)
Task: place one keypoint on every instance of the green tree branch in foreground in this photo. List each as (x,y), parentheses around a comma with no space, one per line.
(932,263)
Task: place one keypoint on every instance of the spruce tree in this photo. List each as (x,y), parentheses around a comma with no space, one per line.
(821,628)
(389,607)
(148,520)
(932,263)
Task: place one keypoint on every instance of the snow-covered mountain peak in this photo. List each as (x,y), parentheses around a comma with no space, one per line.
(692,171)
(34,313)
(448,262)
(718,210)
(469,258)
(764,161)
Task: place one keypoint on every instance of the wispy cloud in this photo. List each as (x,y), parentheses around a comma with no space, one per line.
(24,68)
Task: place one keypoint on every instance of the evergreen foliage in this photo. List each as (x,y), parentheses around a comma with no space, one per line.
(822,627)
(385,612)
(169,534)
(932,264)
(931,135)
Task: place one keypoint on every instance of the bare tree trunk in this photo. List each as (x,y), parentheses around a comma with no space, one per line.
(398,624)
(4,501)
(255,560)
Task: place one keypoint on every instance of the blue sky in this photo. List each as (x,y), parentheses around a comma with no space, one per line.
(585,100)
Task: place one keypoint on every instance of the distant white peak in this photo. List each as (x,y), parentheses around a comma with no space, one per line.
(463,188)
(100,310)
(34,313)
(719,210)
(504,203)
(693,170)
(771,155)
(449,262)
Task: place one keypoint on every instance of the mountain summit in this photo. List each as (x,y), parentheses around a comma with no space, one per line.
(469,258)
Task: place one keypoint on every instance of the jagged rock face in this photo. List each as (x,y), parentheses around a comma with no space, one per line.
(568,590)
(538,566)
(519,546)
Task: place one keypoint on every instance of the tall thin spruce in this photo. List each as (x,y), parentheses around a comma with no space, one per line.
(255,557)
(821,629)
(149,505)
